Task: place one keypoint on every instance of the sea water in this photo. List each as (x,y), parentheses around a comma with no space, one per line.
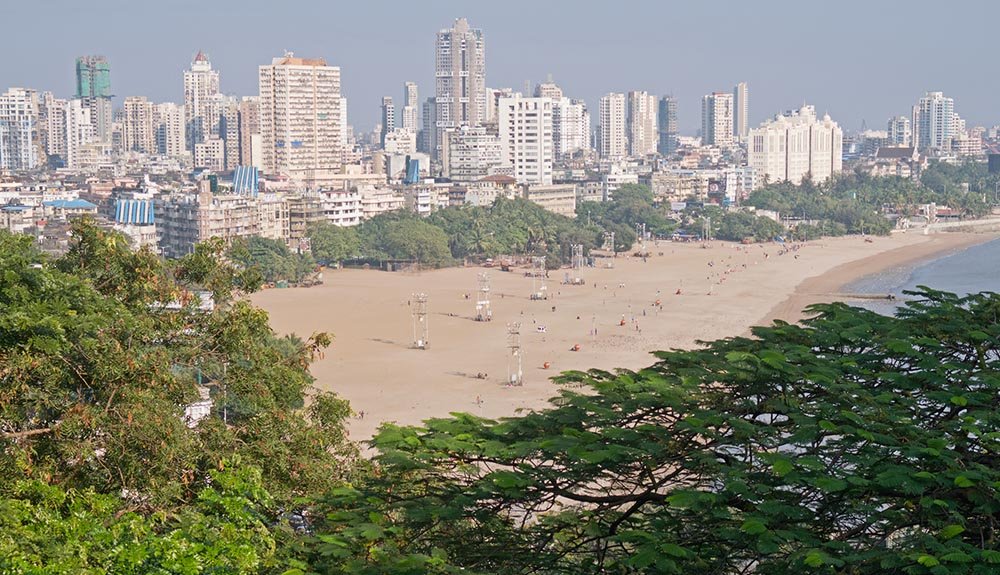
(971,270)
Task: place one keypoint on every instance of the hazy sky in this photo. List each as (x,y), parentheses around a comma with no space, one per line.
(857,60)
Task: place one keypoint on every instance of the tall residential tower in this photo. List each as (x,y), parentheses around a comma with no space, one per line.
(460,71)
(301,121)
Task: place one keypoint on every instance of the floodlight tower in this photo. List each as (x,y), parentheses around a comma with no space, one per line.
(419,315)
(515,371)
(539,287)
(483,310)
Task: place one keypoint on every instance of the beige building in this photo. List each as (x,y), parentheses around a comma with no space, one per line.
(556,198)
(139,124)
(300,118)
(795,144)
(187,219)
(717,120)
(460,78)
(642,134)
(250,138)
(469,154)
(170,129)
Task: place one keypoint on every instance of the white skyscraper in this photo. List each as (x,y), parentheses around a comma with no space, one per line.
(935,121)
(570,127)
(301,119)
(411,105)
(796,144)
(613,142)
(717,120)
(525,126)
(899,131)
(741,112)
(202,101)
(460,71)
(170,129)
(388,118)
(80,132)
(19,144)
(642,134)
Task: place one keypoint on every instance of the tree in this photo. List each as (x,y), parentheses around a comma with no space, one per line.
(272,258)
(100,355)
(853,444)
(332,244)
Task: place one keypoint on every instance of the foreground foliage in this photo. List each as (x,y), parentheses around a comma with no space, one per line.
(854,444)
(102,350)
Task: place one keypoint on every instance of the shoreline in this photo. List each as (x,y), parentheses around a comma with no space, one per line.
(627,308)
(829,286)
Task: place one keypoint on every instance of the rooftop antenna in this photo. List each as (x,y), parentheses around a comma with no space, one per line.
(419,316)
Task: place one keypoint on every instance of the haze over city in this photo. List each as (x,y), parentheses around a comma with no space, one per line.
(856,60)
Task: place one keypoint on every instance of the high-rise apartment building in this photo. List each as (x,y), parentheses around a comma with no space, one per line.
(411,105)
(388,118)
(301,119)
(642,134)
(170,123)
(52,124)
(794,145)
(93,77)
(525,127)
(469,154)
(19,144)
(570,127)
(934,125)
(139,125)
(93,86)
(202,101)
(717,120)
(80,134)
(741,112)
(250,140)
(667,123)
(460,72)
(613,142)
(230,131)
(427,142)
(899,131)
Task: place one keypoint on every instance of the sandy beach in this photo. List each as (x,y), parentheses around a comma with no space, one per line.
(724,289)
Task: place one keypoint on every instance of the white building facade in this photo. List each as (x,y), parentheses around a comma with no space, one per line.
(525,126)
(301,120)
(794,145)
(613,142)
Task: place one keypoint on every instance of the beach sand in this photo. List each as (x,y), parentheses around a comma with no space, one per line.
(725,289)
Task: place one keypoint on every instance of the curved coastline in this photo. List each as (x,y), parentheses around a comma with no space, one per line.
(830,285)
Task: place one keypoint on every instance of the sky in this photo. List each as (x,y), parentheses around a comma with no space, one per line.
(856,60)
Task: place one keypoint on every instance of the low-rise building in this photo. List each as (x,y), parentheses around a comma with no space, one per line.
(556,198)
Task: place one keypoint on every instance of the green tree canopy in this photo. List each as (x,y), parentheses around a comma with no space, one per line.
(272,258)
(331,244)
(99,357)
(853,444)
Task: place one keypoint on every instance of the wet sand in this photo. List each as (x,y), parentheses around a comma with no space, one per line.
(725,289)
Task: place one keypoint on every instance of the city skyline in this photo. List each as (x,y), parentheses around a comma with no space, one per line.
(569,46)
